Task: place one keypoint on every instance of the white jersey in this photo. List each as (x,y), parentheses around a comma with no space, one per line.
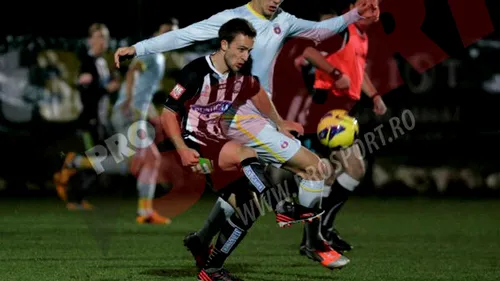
(271,35)
(146,82)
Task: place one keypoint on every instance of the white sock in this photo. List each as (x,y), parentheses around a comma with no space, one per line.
(311,192)
(347,182)
(327,189)
(146,189)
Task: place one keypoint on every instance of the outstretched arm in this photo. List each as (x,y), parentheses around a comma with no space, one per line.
(200,31)
(319,31)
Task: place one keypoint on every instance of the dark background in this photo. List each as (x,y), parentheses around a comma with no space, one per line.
(468,140)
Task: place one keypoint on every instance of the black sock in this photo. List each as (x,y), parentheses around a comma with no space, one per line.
(212,225)
(312,236)
(230,236)
(332,205)
(235,228)
(255,172)
(284,186)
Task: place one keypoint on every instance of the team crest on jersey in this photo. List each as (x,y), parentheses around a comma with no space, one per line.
(283,144)
(277,28)
(177,91)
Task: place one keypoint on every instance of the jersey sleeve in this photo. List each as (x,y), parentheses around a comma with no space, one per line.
(319,31)
(251,87)
(187,86)
(200,31)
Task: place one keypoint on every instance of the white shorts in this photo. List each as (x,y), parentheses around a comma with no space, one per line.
(130,126)
(262,135)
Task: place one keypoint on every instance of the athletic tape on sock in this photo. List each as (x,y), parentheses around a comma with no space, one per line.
(233,238)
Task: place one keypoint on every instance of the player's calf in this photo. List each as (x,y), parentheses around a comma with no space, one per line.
(344,185)
(231,234)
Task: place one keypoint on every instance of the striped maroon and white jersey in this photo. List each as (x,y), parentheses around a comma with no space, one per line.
(202,95)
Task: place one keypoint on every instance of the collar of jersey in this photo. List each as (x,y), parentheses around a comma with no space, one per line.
(255,12)
(212,66)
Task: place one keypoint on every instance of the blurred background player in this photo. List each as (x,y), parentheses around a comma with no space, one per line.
(275,147)
(339,80)
(134,103)
(95,83)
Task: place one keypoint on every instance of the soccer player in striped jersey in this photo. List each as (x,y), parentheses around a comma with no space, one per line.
(207,90)
(273,27)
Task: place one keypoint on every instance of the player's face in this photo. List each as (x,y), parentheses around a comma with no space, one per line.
(237,52)
(269,7)
(364,23)
(99,41)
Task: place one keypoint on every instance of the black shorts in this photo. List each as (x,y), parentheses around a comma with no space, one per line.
(208,149)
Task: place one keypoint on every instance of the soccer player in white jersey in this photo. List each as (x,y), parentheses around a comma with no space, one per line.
(273,26)
(142,81)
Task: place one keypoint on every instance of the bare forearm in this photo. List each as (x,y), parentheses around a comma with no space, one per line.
(367,86)
(265,106)
(172,128)
(314,57)
(273,114)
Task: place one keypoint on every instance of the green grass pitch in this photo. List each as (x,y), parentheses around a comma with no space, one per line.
(394,239)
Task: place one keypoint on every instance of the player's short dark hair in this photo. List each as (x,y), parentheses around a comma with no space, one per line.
(96,27)
(232,28)
(171,21)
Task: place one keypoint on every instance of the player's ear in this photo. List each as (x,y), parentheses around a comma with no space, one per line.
(224,45)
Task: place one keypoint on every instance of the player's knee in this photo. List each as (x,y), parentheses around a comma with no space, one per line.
(317,171)
(309,165)
(246,153)
(232,154)
(156,160)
